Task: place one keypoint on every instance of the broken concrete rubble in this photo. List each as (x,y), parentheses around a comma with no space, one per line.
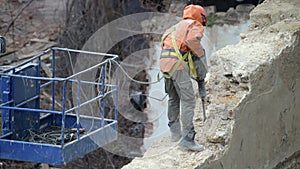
(261,87)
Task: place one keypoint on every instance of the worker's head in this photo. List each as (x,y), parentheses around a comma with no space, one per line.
(195,12)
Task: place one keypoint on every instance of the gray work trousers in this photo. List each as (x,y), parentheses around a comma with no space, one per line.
(181,95)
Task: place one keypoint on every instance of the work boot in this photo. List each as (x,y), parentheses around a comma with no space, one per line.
(188,143)
(175,130)
(202,89)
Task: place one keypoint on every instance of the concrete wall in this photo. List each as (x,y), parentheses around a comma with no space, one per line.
(267,120)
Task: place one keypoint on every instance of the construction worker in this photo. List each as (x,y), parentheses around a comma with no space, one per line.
(181,59)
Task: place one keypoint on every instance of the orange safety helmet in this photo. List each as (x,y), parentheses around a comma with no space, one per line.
(195,12)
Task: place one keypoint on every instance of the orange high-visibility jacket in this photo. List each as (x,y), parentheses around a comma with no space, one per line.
(188,35)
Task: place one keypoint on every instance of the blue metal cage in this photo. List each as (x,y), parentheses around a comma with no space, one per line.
(25,121)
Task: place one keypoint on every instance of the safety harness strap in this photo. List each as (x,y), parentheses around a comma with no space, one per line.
(175,44)
(191,63)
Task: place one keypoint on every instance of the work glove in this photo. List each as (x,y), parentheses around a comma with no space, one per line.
(202,89)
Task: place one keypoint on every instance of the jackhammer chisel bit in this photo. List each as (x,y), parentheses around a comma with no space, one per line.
(202,94)
(203,109)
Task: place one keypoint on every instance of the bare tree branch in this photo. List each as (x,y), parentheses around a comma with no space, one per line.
(19,13)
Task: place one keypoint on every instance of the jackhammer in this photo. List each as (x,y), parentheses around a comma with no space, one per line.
(202,94)
(201,70)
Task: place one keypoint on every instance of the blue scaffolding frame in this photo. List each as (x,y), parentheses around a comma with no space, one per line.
(21,99)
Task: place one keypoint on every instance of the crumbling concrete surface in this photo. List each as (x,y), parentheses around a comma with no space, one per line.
(254,96)
(266,129)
